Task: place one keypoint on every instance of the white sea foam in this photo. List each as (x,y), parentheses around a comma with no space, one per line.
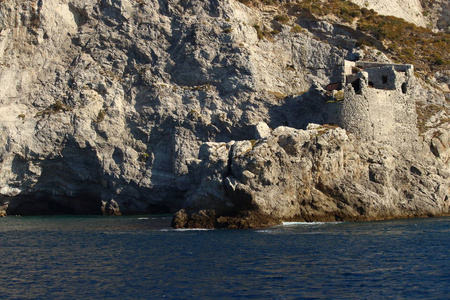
(186,229)
(307,223)
(193,229)
(143,218)
(265,231)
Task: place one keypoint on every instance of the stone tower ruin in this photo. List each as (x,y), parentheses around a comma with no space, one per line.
(378,103)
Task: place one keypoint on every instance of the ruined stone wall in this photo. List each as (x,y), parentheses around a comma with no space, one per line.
(378,104)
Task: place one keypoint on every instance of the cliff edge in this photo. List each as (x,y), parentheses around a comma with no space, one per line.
(117,106)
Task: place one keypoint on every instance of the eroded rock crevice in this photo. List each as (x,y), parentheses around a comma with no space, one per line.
(120,107)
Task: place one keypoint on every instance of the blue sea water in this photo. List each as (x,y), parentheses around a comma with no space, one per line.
(141,257)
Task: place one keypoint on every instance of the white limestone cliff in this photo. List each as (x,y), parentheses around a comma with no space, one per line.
(106,106)
(434,14)
(409,10)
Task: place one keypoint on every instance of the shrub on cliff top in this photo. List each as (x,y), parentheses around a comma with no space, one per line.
(407,43)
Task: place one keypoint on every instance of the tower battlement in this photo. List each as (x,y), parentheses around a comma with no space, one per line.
(378,103)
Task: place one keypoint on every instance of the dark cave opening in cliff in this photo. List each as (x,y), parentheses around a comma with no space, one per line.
(47,204)
(158,209)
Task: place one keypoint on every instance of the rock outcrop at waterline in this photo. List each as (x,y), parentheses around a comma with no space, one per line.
(106,106)
(319,174)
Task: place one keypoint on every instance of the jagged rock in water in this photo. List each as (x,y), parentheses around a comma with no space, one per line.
(320,174)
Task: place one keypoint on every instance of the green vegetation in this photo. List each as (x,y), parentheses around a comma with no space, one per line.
(259,32)
(35,18)
(425,112)
(339,95)
(405,42)
(278,96)
(408,43)
(281,18)
(296,28)
(270,2)
(143,157)
(324,129)
(268,35)
(101,116)
(255,2)
(57,107)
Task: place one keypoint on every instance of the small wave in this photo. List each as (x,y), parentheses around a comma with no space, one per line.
(143,218)
(185,229)
(118,232)
(193,229)
(265,231)
(308,223)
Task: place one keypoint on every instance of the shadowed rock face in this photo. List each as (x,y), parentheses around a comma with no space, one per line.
(320,174)
(45,204)
(109,106)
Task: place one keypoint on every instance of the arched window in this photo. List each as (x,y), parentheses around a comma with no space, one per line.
(357,86)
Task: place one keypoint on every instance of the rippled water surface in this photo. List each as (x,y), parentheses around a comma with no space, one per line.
(142,258)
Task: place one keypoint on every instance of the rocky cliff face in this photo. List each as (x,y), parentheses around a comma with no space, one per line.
(425,13)
(410,10)
(108,107)
(319,174)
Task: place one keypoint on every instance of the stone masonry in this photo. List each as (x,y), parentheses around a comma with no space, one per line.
(378,102)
